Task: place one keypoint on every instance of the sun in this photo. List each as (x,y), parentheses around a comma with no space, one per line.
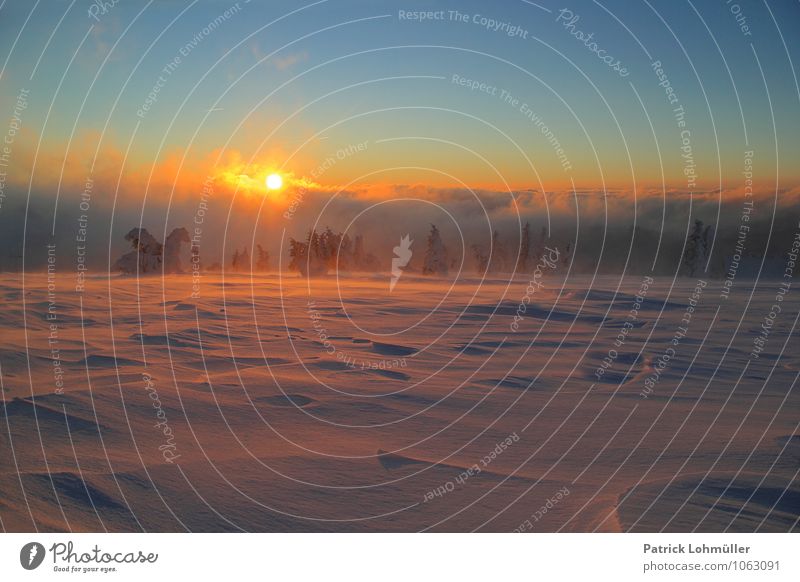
(274,182)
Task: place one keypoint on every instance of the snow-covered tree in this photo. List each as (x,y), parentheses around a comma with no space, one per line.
(196,261)
(298,253)
(329,250)
(236,261)
(524,257)
(147,254)
(262,259)
(435,262)
(172,250)
(308,257)
(696,249)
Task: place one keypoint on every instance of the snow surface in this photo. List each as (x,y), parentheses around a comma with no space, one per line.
(334,405)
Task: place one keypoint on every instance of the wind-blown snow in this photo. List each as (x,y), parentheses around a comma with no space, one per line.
(277,403)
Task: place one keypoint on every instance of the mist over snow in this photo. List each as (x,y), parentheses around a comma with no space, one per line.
(606,232)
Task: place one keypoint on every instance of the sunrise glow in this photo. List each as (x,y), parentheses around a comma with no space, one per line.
(274,182)
(364,267)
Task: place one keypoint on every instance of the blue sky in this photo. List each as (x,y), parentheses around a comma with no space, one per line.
(593,111)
